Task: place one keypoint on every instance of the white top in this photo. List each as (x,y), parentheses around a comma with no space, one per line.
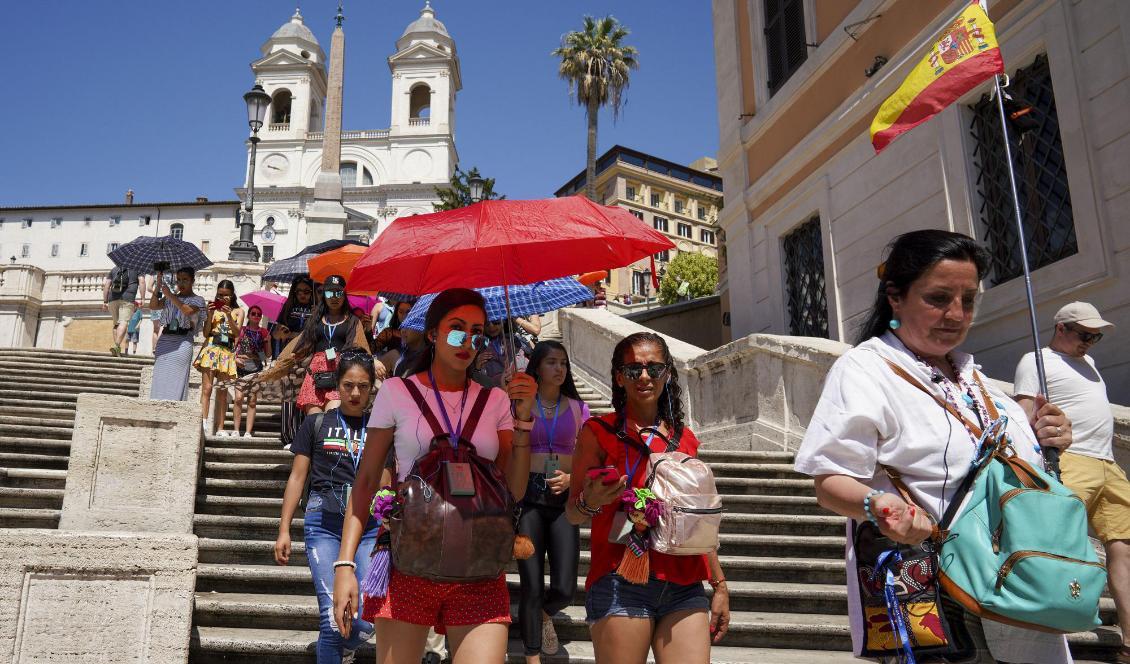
(868,415)
(1075,385)
(394,408)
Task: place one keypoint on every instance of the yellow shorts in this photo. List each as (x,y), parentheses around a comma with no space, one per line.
(1103,486)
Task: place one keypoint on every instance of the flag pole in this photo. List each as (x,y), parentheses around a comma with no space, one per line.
(1051,454)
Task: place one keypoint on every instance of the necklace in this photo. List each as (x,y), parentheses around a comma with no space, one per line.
(950,389)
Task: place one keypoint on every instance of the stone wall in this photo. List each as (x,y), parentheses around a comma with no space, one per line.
(697,322)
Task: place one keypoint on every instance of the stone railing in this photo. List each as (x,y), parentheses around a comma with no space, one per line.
(278,126)
(756,393)
(419,122)
(366,133)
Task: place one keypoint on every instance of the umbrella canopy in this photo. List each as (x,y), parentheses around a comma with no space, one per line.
(591,278)
(336,261)
(363,302)
(143,253)
(288,269)
(525,300)
(270,303)
(329,245)
(503,242)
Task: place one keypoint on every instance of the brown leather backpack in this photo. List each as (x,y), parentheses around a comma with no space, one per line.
(445,537)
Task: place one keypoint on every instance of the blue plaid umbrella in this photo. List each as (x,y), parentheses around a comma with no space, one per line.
(288,269)
(143,253)
(535,298)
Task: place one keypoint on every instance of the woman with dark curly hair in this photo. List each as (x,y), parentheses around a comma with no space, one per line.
(670,613)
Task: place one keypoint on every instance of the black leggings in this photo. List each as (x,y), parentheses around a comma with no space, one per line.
(551,533)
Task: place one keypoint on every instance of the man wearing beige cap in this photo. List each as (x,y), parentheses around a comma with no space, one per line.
(1088,466)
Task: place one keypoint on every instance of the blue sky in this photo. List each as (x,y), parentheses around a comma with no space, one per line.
(106,96)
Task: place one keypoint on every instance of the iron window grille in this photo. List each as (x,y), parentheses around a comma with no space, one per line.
(1041,175)
(786,46)
(268,253)
(806,299)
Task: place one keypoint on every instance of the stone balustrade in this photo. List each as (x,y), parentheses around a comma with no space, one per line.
(755,393)
(346,135)
(419,122)
(278,126)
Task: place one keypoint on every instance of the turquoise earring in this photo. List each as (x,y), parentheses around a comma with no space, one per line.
(894,324)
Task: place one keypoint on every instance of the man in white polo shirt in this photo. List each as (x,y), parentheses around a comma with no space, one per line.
(1088,466)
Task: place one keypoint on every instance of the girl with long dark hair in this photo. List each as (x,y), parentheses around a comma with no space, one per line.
(250,351)
(217,358)
(680,621)
(474,614)
(295,311)
(327,450)
(559,414)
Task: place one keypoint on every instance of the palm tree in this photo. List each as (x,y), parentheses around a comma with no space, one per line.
(596,62)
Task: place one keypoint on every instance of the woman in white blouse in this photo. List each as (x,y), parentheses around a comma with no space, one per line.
(868,416)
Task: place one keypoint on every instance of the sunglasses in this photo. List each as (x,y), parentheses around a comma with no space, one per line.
(457,338)
(356,355)
(255,314)
(332,294)
(1086,337)
(633,371)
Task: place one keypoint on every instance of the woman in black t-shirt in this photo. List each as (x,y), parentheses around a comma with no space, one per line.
(327,449)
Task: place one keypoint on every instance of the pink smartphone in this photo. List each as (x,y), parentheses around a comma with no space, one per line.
(606,474)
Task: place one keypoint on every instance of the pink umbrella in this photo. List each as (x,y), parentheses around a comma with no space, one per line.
(270,303)
(363,302)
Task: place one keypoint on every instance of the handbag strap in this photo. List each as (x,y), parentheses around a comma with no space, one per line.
(425,409)
(472,420)
(945,404)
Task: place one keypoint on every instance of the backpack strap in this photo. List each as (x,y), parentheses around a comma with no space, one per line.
(306,487)
(476,412)
(425,409)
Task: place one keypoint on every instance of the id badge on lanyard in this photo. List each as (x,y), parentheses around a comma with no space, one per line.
(553,462)
(355,448)
(458,474)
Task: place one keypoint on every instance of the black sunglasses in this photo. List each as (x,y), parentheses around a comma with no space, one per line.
(633,371)
(1085,337)
(331,294)
(356,355)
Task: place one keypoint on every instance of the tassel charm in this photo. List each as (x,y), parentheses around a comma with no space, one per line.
(635,566)
(375,583)
(523,547)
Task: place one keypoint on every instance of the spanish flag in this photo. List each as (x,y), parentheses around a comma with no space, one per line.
(963,56)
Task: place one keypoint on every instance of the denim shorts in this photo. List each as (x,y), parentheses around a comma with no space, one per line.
(611,595)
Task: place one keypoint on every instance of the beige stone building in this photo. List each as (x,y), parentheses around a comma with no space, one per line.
(810,206)
(682,202)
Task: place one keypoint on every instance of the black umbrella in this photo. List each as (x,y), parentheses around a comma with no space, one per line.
(288,269)
(329,245)
(150,254)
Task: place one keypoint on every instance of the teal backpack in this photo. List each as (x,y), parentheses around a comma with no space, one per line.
(1018,553)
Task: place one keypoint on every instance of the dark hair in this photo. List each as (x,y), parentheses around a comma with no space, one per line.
(394,322)
(670,400)
(254,307)
(541,350)
(190,271)
(292,298)
(443,304)
(309,337)
(909,256)
(227,283)
(356,357)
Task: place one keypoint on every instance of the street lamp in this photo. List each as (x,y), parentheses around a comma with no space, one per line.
(244,248)
(646,287)
(476,185)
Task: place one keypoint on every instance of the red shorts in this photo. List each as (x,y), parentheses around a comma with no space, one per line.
(309,395)
(418,601)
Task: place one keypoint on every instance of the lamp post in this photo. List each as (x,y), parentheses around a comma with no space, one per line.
(647,288)
(476,184)
(244,248)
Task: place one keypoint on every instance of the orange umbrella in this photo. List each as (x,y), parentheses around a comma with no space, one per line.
(590,278)
(339,261)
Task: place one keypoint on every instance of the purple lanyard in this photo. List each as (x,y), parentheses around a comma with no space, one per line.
(550,429)
(451,431)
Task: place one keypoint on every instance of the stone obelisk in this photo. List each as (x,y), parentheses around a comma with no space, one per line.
(326,217)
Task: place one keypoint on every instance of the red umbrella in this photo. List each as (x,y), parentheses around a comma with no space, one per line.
(503,242)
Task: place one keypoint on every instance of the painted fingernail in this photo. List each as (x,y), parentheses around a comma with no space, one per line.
(886,511)
(911,511)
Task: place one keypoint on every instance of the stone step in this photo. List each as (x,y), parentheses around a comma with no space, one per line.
(42,422)
(754,470)
(91,356)
(25,460)
(30,400)
(23,517)
(58,387)
(252,556)
(35,431)
(225,526)
(29,498)
(9,393)
(35,445)
(711,455)
(29,366)
(224,487)
(32,478)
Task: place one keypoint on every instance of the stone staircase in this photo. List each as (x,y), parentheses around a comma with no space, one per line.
(782,553)
(38,392)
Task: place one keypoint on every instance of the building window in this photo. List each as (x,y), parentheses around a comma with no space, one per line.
(112,246)
(54,250)
(348,174)
(706,236)
(678,206)
(655,198)
(25,251)
(684,230)
(702,212)
(205,245)
(56,222)
(115,220)
(25,222)
(207,217)
(786,46)
(143,220)
(86,221)
(1041,176)
(176,231)
(663,256)
(268,253)
(803,254)
(631,192)
(661,224)
(366,178)
(637,214)
(83,250)
(640,283)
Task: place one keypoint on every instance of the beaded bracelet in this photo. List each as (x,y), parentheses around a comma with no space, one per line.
(584,507)
(867,505)
(344,563)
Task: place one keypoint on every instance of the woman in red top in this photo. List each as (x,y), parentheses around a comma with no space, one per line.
(670,614)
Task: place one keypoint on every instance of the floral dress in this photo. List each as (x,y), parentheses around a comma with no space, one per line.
(218,353)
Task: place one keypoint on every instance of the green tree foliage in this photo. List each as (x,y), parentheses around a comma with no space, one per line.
(700,272)
(458,193)
(595,62)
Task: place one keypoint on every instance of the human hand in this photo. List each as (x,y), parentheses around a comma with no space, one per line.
(226,309)
(367,322)
(282,548)
(559,483)
(380,370)
(599,494)
(345,599)
(902,523)
(1052,427)
(483,357)
(719,612)
(105,306)
(522,388)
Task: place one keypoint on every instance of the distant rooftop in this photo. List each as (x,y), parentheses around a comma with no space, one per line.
(202,203)
(646,161)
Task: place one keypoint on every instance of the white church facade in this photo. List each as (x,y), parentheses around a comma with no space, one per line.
(54,257)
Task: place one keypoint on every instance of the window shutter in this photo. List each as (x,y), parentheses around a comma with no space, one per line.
(785,40)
